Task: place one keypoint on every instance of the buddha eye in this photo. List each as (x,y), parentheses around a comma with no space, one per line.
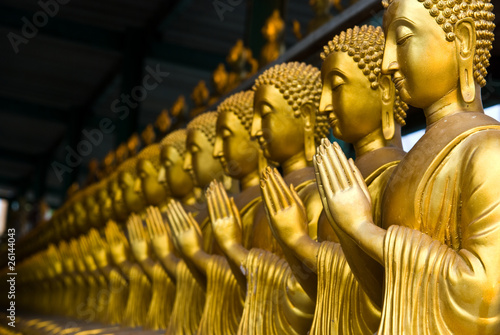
(337,82)
(403,34)
(266,110)
(226,133)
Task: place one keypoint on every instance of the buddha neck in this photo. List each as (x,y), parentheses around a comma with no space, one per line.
(452,103)
(373,141)
(250,180)
(294,163)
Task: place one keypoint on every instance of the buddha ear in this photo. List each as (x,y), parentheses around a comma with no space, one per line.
(308,112)
(465,32)
(388,91)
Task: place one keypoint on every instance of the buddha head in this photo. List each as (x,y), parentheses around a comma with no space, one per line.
(127,176)
(286,121)
(437,51)
(172,175)
(146,183)
(120,211)
(79,211)
(357,99)
(91,205)
(104,200)
(237,152)
(199,160)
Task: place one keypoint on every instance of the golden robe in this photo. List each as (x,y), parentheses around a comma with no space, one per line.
(441,251)
(342,307)
(188,305)
(162,299)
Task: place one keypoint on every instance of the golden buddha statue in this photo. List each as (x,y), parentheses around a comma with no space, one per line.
(276,301)
(121,155)
(133,145)
(194,240)
(179,108)
(154,194)
(440,216)
(361,106)
(163,123)
(148,135)
(238,155)
(274,33)
(220,81)
(242,64)
(172,176)
(200,98)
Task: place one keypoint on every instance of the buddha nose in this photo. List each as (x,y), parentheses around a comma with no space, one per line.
(325,103)
(162,176)
(137,186)
(389,62)
(217,148)
(187,166)
(256,126)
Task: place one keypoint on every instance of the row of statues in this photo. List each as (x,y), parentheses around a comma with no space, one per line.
(251,221)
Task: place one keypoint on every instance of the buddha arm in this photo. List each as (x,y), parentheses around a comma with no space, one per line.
(236,255)
(368,272)
(169,263)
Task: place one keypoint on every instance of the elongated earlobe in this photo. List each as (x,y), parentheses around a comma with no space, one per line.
(466,45)
(388,96)
(309,115)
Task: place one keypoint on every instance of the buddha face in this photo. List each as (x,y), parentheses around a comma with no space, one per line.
(418,56)
(237,153)
(133,200)
(80,215)
(147,183)
(352,106)
(92,208)
(280,133)
(105,204)
(118,205)
(199,160)
(172,174)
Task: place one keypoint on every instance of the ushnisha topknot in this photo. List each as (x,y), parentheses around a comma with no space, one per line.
(152,154)
(206,123)
(176,139)
(448,12)
(300,84)
(366,46)
(241,104)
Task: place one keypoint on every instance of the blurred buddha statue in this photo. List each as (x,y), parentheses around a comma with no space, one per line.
(220,82)
(133,145)
(274,33)
(93,172)
(277,301)
(163,123)
(362,107)
(242,64)
(154,194)
(179,108)
(108,165)
(440,228)
(238,155)
(192,234)
(148,135)
(121,154)
(200,98)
